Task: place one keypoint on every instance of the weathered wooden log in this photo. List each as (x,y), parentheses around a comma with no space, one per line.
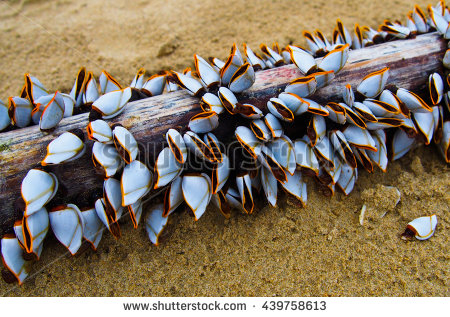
(410,62)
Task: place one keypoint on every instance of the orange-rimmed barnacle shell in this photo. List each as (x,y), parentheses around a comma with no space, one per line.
(92,227)
(195,144)
(155,223)
(19,111)
(135,183)
(244,186)
(207,74)
(65,148)
(108,83)
(204,122)
(242,79)
(78,87)
(167,168)
(125,144)
(303,86)
(38,188)
(373,84)
(173,197)
(197,192)
(18,268)
(112,104)
(302,59)
(67,225)
(335,60)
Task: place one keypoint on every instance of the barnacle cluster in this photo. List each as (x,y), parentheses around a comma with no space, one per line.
(197,167)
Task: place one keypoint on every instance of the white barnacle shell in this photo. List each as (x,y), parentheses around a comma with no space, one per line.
(38,188)
(441,25)
(90,90)
(92,227)
(155,223)
(65,148)
(347,179)
(154,86)
(274,125)
(270,185)
(138,80)
(190,84)
(302,86)
(34,88)
(78,87)
(446,60)
(396,30)
(211,102)
(112,195)
(69,104)
(20,111)
(278,108)
(363,109)
(295,103)
(112,103)
(135,183)
(296,187)
(373,84)
(380,156)
(249,111)
(197,192)
(100,131)
(125,144)
(272,56)
(268,160)
(135,211)
(316,108)
(253,59)
(34,229)
(214,144)
(106,157)
(248,140)
(195,144)
(412,101)
(261,130)
(108,83)
(220,174)
(445,142)
(305,156)
(323,78)
(231,65)
(177,145)
(342,147)
(228,99)
(12,258)
(242,79)
(284,153)
(316,129)
(335,60)
(302,59)
(359,137)
(422,228)
(204,122)
(52,111)
(348,95)
(436,87)
(67,225)
(167,168)
(336,112)
(424,122)
(208,75)
(173,197)
(353,116)
(5,120)
(244,185)
(108,217)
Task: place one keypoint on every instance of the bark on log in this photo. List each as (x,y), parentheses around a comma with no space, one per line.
(410,61)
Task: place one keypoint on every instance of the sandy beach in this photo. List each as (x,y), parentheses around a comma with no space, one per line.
(319,250)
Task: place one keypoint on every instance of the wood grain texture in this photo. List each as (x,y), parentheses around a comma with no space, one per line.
(410,61)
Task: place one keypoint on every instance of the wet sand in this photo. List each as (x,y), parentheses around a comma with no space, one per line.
(320,250)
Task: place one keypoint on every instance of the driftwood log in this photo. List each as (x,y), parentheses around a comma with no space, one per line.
(410,61)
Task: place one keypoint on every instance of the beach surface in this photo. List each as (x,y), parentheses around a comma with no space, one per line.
(320,250)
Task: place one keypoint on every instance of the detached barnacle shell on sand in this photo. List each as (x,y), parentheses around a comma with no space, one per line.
(422,228)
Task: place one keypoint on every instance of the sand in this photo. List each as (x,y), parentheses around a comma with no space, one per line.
(320,250)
